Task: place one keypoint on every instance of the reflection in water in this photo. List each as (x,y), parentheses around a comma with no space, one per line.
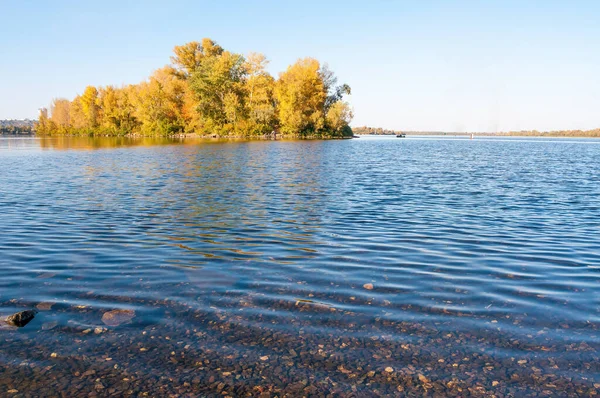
(83,143)
(369,267)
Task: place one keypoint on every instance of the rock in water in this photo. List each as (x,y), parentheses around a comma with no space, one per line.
(117,317)
(21,319)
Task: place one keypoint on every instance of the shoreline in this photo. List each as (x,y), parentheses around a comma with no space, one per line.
(279,137)
(482,135)
(287,137)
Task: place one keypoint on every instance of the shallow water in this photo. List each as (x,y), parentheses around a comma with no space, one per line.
(367,267)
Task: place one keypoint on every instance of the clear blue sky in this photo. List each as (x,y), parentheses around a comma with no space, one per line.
(412,65)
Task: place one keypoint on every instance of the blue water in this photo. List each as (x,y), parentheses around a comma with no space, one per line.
(465,266)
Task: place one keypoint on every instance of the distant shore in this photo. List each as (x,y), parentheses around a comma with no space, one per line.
(526,133)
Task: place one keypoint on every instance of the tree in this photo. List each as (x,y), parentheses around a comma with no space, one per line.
(187,58)
(301,95)
(60,113)
(338,118)
(116,109)
(159,103)
(89,106)
(260,103)
(217,85)
(76,114)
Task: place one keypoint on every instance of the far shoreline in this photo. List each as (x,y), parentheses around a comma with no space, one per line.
(295,137)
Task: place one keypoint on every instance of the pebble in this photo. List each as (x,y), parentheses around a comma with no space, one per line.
(45,306)
(204,356)
(368,286)
(118,317)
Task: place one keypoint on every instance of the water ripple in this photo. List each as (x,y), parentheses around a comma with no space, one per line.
(440,248)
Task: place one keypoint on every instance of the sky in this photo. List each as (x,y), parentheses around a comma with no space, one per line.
(421,65)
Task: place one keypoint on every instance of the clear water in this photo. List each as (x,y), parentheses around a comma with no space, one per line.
(367,267)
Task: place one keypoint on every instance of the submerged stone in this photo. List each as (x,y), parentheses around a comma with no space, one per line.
(20,319)
(45,306)
(117,317)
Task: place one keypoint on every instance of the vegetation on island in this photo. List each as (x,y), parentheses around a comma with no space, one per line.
(207,90)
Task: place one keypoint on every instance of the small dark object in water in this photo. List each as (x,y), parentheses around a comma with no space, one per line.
(21,319)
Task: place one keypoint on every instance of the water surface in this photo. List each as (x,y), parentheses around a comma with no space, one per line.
(366,267)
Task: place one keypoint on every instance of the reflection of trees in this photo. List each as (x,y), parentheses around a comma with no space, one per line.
(244,199)
(71,142)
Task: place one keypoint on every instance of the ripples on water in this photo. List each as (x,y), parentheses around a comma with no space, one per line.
(248,266)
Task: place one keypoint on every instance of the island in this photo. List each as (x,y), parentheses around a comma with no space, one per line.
(208,91)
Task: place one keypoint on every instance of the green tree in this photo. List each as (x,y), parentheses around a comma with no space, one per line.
(217,85)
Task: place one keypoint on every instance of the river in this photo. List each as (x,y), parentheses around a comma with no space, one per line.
(364,267)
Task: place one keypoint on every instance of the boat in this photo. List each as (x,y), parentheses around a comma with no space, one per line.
(400,135)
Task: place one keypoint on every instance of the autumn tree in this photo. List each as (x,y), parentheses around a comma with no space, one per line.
(159,102)
(217,85)
(76,114)
(117,109)
(188,57)
(89,106)
(338,113)
(338,119)
(260,101)
(301,95)
(60,113)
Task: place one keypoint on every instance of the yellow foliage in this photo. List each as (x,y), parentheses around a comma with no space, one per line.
(339,116)
(301,95)
(60,112)
(210,90)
